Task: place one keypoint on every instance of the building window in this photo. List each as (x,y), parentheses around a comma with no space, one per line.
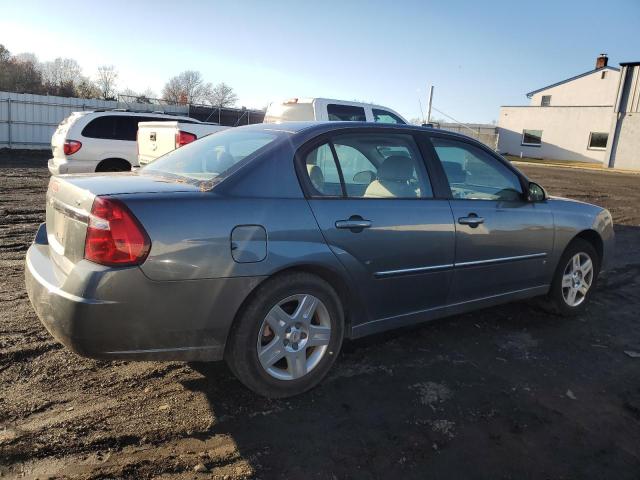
(532,138)
(546,101)
(598,140)
(603,75)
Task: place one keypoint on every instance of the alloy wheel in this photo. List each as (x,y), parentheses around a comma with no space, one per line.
(294,337)
(577,279)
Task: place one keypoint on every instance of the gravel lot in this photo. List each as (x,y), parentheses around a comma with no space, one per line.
(507,392)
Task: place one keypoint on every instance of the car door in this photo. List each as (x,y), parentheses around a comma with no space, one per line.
(503,241)
(372,198)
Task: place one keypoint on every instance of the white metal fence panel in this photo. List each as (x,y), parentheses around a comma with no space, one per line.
(28,121)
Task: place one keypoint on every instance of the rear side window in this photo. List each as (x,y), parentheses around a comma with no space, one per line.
(368,166)
(117,127)
(346,113)
(384,116)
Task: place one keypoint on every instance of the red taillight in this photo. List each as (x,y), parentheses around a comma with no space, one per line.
(71,146)
(114,235)
(182,138)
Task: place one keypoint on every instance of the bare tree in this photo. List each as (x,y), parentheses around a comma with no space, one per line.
(106,80)
(222,96)
(5,54)
(60,72)
(85,88)
(19,73)
(187,87)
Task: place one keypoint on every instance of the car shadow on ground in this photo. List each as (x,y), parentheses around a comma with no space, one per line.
(505,392)
(481,392)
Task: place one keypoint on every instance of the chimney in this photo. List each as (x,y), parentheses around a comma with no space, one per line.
(602,61)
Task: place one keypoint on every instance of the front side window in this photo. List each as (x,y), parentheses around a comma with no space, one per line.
(383,116)
(532,138)
(598,140)
(212,155)
(345,113)
(545,101)
(475,174)
(368,166)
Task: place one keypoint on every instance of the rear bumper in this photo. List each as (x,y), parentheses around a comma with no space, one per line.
(61,166)
(109,313)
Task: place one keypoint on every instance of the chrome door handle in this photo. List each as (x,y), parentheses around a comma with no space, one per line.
(472,220)
(355,224)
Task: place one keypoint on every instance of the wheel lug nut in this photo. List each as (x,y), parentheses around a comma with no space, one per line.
(303,335)
(286,342)
(295,346)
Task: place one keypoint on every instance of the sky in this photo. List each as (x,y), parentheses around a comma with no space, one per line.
(477,54)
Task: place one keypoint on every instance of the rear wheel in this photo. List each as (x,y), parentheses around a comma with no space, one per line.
(113,165)
(574,279)
(287,337)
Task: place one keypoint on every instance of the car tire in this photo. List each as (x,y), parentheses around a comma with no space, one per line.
(568,279)
(262,333)
(113,165)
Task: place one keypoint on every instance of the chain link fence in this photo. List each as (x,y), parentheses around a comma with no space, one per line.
(487,134)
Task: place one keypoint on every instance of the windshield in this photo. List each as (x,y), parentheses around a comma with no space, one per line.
(211,156)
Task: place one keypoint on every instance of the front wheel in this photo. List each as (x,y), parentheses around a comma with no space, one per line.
(574,279)
(287,337)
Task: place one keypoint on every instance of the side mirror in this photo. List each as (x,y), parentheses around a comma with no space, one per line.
(535,193)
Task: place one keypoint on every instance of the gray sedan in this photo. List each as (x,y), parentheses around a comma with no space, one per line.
(268,245)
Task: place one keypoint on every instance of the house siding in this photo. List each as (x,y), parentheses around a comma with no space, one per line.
(565,131)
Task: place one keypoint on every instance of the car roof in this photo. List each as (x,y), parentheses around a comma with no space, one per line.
(125,113)
(319,127)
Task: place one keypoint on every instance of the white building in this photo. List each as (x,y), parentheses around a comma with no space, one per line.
(589,118)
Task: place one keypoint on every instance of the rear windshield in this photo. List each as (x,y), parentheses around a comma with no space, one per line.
(209,157)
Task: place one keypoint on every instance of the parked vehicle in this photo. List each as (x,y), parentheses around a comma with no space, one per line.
(327,109)
(157,138)
(266,245)
(100,141)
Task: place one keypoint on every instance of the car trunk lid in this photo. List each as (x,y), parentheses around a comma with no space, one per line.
(69,202)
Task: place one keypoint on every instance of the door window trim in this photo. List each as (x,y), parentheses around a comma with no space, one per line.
(310,193)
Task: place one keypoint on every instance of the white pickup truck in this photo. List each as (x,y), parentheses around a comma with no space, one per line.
(328,109)
(157,138)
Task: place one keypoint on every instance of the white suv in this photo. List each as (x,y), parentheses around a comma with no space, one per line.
(100,141)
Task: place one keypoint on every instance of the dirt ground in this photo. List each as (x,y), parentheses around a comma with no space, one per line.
(507,392)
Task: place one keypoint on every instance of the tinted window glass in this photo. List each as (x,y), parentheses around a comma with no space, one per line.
(372,166)
(383,116)
(532,137)
(347,113)
(101,127)
(598,140)
(212,155)
(127,127)
(475,174)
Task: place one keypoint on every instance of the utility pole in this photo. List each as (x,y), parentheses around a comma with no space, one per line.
(430,103)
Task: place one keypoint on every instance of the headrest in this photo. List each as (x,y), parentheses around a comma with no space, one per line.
(454,171)
(316,176)
(396,168)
